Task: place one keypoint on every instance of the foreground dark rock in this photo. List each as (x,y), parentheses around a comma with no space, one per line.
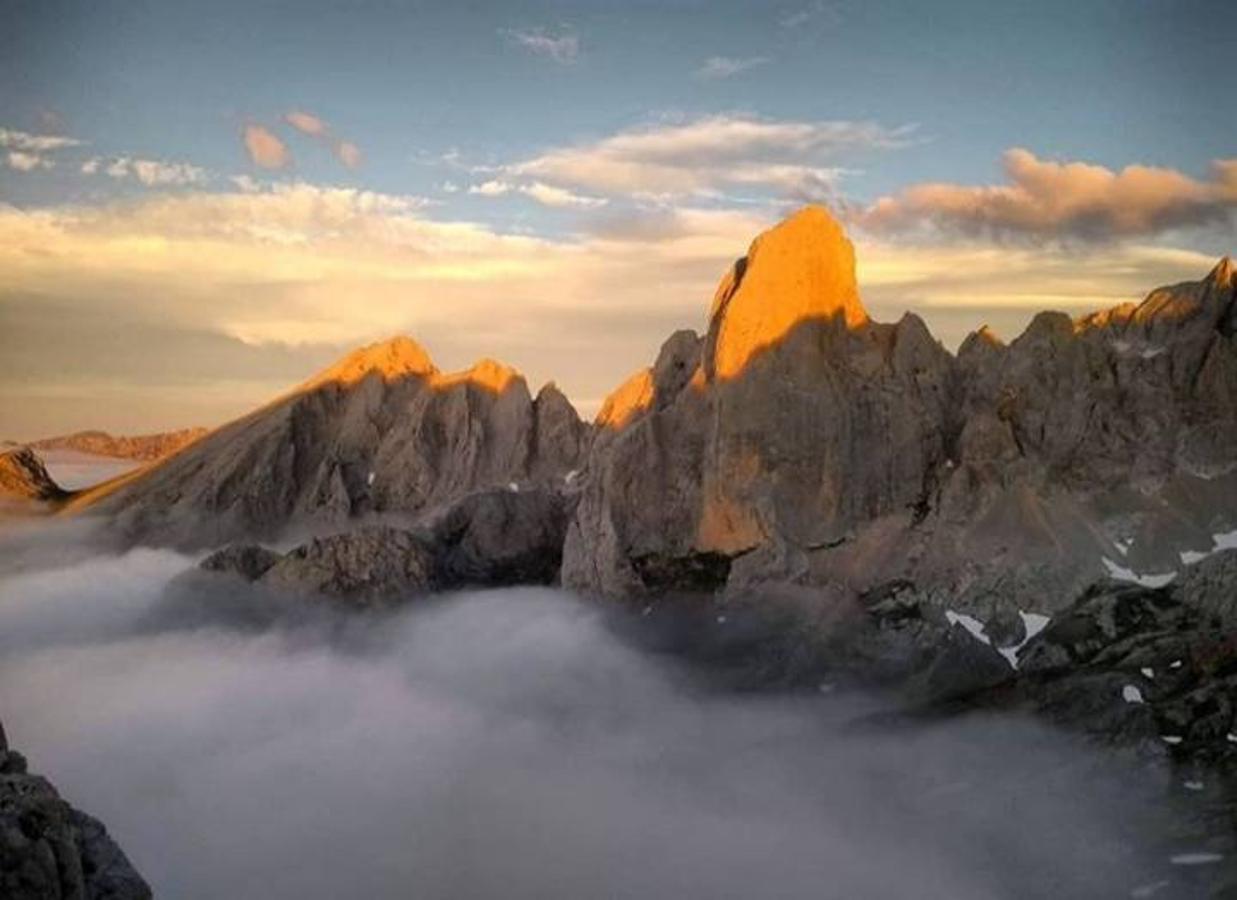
(51,851)
(489,538)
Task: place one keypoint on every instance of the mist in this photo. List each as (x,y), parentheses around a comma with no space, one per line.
(510,744)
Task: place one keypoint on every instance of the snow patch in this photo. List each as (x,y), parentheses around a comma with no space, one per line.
(1193,785)
(1120,573)
(513,487)
(1171,738)
(1224,540)
(369,479)
(970,623)
(1131,694)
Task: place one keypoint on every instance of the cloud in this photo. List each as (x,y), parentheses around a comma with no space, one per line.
(817,13)
(562,46)
(150,172)
(265,148)
(26,152)
(545,194)
(717,67)
(348,153)
(709,155)
(34,143)
(306,123)
(305,265)
(510,744)
(27,162)
(1046,199)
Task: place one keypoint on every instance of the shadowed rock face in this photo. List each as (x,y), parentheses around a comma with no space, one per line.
(380,432)
(810,445)
(51,851)
(23,477)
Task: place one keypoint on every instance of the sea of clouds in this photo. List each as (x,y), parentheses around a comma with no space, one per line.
(509,744)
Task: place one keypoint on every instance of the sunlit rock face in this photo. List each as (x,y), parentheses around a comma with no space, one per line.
(382,431)
(811,445)
(24,477)
(800,418)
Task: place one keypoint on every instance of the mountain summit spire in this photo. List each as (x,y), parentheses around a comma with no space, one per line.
(800,270)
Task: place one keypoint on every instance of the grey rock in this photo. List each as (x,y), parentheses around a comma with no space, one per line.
(373,566)
(51,851)
(381,432)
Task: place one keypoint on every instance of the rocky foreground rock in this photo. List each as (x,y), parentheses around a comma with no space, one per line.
(51,851)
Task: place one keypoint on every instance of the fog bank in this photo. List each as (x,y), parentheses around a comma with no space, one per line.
(507,744)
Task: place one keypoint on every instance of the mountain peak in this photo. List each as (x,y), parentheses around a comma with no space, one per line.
(1224,273)
(800,270)
(397,357)
(487,373)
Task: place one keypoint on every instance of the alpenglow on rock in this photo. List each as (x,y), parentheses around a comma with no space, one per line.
(800,443)
(381,432)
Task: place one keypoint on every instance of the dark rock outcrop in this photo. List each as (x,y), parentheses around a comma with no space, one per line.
(487,539)
(51,851)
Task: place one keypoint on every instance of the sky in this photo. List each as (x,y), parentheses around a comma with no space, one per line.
(203,203)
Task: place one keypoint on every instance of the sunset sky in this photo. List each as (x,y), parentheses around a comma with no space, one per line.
(201,204)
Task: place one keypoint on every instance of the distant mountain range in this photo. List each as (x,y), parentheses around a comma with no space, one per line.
(143,447)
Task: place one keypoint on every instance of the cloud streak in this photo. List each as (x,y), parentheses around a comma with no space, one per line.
(713,154)
(150,172)
(719,67)
(561,46)
(1047,199)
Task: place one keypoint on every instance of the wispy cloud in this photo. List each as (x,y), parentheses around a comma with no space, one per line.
(819,12)
(348,153)
(545,194)
(35,143)
(150,172)
(718,67)
(562,46)
(306,123)
(795,159)
(265,148)
(1046,199)
(22,161)
(27,152)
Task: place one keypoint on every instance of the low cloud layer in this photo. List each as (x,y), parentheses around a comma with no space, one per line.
(506,744)
(1046,199)
(319,269)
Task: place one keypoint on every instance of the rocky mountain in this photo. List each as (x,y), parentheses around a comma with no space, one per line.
(24,477)
(799,444)
(51,851)
(381,432)
(144,447)
(797,447)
